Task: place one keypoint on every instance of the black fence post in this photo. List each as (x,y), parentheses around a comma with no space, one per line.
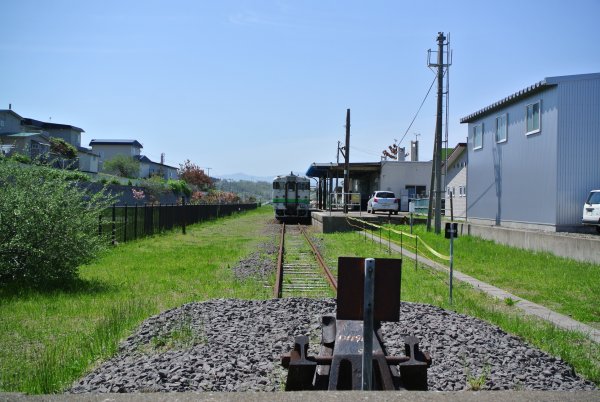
(100,224)
(114,224)
(135,221)
(125,226)
(183,215)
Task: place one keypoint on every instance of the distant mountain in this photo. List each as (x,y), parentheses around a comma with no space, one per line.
(243,176)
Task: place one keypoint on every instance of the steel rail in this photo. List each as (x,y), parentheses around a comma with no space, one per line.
(277,290)
(328,275)
(306,270)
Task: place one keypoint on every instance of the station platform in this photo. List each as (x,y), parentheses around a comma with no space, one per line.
(336,220)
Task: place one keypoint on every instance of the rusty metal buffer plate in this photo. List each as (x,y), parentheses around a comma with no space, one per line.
(350,300)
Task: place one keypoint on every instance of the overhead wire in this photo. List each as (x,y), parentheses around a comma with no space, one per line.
(416,114)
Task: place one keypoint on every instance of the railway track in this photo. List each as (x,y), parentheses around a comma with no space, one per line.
(301,271)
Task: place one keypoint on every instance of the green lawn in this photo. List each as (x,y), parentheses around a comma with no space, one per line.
(563,285)
(425,285)
(48,339)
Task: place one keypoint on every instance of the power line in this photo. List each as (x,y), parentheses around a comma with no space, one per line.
(416,114)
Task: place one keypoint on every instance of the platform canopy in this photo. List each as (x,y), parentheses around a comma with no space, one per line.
(326,170)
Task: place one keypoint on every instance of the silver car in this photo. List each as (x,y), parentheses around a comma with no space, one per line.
(383,201)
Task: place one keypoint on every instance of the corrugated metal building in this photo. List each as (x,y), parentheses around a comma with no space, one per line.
(534,155)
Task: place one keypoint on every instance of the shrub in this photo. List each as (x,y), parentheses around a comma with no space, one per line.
(194,175)
(20,158)
(49,226)
(179,187)
(62,147)
(154,187)
(122,165)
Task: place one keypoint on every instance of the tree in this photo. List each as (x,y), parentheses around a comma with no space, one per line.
(194,175)
(122,165)
(48,224)
(391,152)
(63,148)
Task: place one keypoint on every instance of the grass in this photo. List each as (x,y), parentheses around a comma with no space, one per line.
(563,285)
(424,285)
(50,338)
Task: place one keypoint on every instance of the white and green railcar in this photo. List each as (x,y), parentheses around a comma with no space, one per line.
(291,197)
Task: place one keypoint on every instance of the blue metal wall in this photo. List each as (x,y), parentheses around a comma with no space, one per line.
(578,146)
(515,181)
(543,178)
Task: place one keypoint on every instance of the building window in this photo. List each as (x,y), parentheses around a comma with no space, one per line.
(478,136)
(1,123)
(502,128)
(533,118)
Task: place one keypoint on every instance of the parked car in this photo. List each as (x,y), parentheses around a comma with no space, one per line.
(383,201)
(591,210)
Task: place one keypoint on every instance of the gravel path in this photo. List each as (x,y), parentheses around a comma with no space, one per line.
(235,345)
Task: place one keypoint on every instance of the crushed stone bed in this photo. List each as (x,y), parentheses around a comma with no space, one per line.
(235,345)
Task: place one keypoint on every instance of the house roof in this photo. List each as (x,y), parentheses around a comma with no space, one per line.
(27,135)
(456,153)
(49,126)
(116,142)
(145,159)
(23,135)
(540,86)
(142,158)
(10,111)
(86,151)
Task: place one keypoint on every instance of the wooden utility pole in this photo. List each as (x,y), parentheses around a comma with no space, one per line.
(336,166)
(347,162)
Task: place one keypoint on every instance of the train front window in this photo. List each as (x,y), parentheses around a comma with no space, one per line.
(291,186)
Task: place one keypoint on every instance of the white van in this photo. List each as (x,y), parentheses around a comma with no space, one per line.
(591,210)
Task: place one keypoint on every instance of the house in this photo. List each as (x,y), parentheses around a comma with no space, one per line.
(407,180)
(533,156)
(455,168)
(32,138)
(16,138)
(70,134)
(108,149)
(32,145)
(149,168)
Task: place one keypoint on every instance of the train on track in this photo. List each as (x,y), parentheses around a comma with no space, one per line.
(291,197)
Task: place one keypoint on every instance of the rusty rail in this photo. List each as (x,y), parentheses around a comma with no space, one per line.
(277,290)
(302,276)
(330,278)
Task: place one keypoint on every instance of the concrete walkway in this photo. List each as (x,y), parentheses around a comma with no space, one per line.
(530,308)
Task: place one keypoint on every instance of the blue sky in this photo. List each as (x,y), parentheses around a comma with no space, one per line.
(262,87)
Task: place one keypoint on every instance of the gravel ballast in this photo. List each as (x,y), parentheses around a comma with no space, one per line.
(235,345)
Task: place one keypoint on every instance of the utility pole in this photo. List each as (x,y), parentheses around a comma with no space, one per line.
(437,152)
(347,162)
